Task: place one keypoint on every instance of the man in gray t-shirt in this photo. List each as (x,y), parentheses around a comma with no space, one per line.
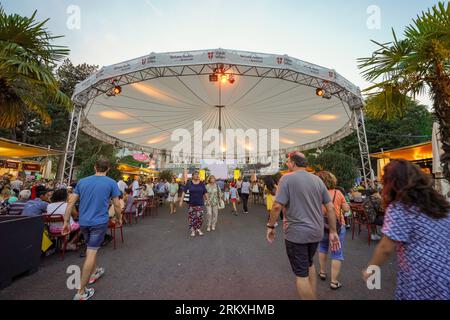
(302,195)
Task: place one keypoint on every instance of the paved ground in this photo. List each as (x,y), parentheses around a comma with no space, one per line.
(160,261)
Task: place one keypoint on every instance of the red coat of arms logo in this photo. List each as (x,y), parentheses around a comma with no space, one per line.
(279,60)
(210,55)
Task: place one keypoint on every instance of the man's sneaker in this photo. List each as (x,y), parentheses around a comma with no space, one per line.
(97,275)
(88,293)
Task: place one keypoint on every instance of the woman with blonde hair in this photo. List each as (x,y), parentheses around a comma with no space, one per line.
(340,206)
(212,204)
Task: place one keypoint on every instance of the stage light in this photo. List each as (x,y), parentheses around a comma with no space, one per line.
(223,78)
(213,78)
(231,79)
(117,90)
(320,92)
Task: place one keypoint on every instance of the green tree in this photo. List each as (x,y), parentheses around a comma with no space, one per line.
(27,83)
(87,167)
(341,165)
(166,174)
(409,66)
(414,127)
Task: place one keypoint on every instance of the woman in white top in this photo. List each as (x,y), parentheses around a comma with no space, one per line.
(58,207)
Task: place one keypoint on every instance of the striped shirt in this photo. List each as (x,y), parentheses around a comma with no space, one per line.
(17,207)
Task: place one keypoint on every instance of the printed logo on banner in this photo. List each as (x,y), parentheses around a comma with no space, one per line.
(279,60)
(183,57)
(210,55)
(149,59)
(122,67)
(220,54)
(287,61)
(252,58)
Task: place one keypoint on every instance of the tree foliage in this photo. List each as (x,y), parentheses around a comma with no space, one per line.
(341,165)
(27,57)
(410,66)
(87,167)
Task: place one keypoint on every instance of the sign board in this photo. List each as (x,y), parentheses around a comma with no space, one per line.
(12,165)
(33,167)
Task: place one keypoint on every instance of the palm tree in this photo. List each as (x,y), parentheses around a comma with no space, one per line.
(419,62)
(26,61)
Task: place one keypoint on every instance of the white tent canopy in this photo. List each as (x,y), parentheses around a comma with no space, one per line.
(168,91)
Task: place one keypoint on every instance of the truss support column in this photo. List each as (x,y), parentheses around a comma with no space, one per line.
(363,146)
(69,155)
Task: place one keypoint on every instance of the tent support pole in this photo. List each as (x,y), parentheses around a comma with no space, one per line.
(71,145)
(360,128)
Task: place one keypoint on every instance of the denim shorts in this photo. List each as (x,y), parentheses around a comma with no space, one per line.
(94,235)
(324,245)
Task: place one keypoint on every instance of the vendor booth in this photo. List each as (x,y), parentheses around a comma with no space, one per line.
(14,158)
(420,154)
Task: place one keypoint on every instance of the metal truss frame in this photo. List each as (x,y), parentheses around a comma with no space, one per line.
(103,86)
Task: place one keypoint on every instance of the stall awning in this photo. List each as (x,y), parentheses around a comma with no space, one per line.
(10,149)
(416,152)
(125,168)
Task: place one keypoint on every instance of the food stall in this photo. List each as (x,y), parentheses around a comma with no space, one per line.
(15,158)
(131,171)
(420,154)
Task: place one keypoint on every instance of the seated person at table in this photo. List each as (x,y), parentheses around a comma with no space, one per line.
(374,211)
(38,206)
(16,208)
(58,206)
(112,212)
(129,204)
(356,196)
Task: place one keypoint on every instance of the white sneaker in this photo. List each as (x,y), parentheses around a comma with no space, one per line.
(375,237)
(88,293)
(99,272)
(213,229)
(208,229)
(200,233)
(193,234)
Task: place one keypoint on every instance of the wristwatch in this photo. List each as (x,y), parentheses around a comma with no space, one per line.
(270,227)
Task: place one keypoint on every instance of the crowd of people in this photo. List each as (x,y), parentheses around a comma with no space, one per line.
(413,217)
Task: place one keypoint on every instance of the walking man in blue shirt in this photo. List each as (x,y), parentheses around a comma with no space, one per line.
(94,193)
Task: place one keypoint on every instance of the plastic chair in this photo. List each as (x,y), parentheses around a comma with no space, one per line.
(360,218)
(112,227)
(55,218)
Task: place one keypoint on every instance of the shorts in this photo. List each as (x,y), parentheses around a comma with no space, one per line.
(233,200)
(301,257)
(172,199)
(226,195)
(94,235)
(324,245)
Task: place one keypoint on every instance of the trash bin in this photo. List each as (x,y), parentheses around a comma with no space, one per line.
(20,246)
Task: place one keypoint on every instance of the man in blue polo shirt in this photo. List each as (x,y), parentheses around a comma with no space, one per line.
(94,193)
(38,206)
